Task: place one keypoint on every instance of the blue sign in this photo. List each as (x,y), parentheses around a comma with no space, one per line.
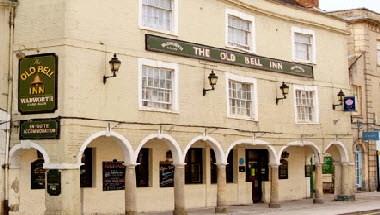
(241,161)
(371,135)
(349,103)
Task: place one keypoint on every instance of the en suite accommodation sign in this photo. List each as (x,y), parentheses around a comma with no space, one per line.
(37,84)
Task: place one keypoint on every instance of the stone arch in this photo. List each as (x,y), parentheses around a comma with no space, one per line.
(123,142)
(314,147)
(215,145)
(26,144)
(341,148)
(257,142)
(172,143)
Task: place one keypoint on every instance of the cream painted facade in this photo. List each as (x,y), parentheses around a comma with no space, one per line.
(109,117)
(365,81)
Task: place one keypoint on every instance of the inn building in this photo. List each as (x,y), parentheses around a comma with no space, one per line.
(170,105)
(364,70)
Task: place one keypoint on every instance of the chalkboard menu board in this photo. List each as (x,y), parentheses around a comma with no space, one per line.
(166,174)
(53,180)
(283,169)
(113,175)
(37,175)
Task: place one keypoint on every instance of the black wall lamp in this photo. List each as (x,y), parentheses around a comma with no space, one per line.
(340,99)
(284,90)
(115,65)
(212,79)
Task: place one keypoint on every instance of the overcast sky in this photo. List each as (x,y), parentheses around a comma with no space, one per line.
(330,5)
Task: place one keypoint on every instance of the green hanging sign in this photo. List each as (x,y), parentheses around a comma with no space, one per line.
(37,84)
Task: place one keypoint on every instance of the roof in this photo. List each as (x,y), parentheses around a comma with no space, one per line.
(358,15)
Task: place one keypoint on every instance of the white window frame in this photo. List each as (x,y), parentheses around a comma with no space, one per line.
(313,46)
(246,17)
(173,31)
(153,63)
(254,113)
(315,100)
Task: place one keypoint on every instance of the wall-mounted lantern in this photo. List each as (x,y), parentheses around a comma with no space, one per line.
(212,79)
(284,90)
(340,99)
(115,65)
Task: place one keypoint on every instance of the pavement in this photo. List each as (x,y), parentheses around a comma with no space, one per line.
(367,203)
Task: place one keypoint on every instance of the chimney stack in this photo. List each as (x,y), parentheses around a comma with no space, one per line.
(308,3)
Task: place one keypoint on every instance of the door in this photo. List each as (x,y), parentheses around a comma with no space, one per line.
(358,167)
(256,171)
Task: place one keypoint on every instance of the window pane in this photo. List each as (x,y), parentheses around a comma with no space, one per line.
(157,14)
(86,169)
(157,87)
(303,46)
(305,105)
(240,98)
(142,170)
(194,167)
(213,167)
(230,167)
(239,32)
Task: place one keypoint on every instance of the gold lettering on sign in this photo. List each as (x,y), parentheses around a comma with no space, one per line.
(253,61)
(32,70)
(203,52)
(275,65)
(228,56)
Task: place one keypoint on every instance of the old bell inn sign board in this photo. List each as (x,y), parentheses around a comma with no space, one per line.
(37,84)
(203,52)
(39,129)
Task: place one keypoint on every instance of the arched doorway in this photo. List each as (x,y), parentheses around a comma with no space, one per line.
(252,161)
(104,156)
(304,169)
(344,171)
(26,179)
(204,158)
(359,157)
(156,156)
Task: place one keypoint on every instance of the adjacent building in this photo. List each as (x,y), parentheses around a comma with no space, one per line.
(155,105)
(6,29)
(364,68)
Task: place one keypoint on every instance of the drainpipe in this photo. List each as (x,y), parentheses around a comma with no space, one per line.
(12,7)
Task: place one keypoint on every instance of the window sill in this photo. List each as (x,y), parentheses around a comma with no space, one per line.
(235,48)
(172,33)
(304,61)
(308,123)
(242,118)
(158,110)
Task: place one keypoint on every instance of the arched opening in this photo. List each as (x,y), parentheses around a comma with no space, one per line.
(340,171)
(156,156)
(250,160)
(102,174)
(300,158)
(202,155)
(26,179)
